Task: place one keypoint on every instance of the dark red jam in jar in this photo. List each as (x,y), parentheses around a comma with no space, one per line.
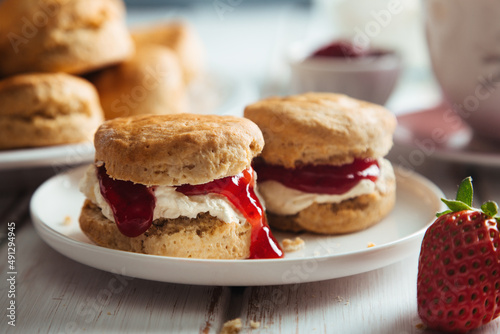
(132,204)
(321,179)
(239,190)
(346,49)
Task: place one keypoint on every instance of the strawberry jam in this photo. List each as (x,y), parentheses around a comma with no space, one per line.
(321,179)
(239,190)
(132,204)
(345,49)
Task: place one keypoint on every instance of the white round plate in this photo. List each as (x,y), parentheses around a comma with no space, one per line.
(68,155)
(439,133)
(55,208)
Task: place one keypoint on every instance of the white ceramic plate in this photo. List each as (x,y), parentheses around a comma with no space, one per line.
(439,133)
(68,155)
(56,205)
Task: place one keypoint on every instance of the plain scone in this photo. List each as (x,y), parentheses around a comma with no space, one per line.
(174,150)
(62,36)
(47,109)
(150,82)
(331,129)
(181,38)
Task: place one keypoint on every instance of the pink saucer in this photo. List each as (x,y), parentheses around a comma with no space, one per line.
(440,133)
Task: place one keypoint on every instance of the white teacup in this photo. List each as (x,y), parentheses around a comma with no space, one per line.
(463,37)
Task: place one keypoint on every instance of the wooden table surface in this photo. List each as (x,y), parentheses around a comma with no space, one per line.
(57,295)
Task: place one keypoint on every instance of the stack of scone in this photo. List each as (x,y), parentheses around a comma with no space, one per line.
(41,39)
(177,185)
(322,168)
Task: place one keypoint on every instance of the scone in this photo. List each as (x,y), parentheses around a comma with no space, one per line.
(75,36)
(47,109)
(150,82)
(322,168)
(181,38)
(177,185)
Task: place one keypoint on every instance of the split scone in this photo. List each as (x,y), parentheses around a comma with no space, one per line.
(75,36)
(177,185)
(322,168)
(43,109)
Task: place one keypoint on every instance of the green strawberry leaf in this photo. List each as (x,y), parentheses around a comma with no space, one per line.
(465,191)
(463,201)
(456,206)
(439,214)
(490,208)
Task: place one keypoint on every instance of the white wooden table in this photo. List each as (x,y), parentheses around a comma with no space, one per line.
(57,295)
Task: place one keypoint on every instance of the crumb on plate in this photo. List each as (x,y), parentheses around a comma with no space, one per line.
(254,324)
(420,326)
(67,221)
(231,327)
(293,245)
(370,244)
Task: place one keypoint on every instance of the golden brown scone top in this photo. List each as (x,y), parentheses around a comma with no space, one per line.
(176,149)
(74,36)
(321,128)
(47,95)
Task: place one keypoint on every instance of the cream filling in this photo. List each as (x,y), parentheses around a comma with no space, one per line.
(282,200)
(170,204)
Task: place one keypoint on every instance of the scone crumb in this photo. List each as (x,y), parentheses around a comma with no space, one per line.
(370,244)
(343,300)
(420,326)
(231,327)
(254,324)
(67,221)
(293,245)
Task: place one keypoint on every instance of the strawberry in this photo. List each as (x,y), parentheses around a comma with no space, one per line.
(458,283)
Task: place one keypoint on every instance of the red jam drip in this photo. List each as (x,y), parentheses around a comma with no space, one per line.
(132,204)
(239,190)
(345,49)
(321,179)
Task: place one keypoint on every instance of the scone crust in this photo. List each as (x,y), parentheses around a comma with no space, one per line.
(62,36)
(347,216)
(47,109)
(179,37)
(150,82)
(176,149)
(321,128)
(203,237)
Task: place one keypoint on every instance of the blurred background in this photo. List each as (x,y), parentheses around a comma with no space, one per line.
(250,39)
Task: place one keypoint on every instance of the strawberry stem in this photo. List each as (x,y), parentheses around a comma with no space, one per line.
(463,201)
